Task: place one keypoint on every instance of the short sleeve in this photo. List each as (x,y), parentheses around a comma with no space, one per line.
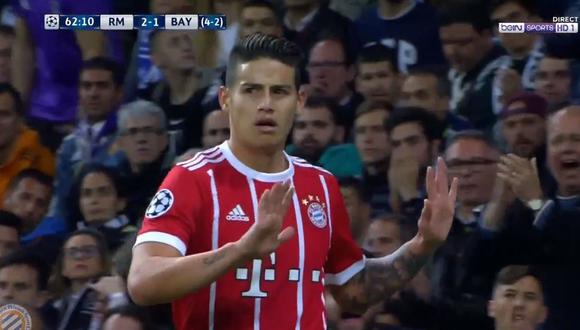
(345,258)
(172,213)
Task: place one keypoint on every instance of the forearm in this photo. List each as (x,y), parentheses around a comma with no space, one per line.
(493,215)
(23,60)
(92,43)
(157,280)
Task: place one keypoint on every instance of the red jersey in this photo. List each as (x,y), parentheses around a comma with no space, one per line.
(212,200)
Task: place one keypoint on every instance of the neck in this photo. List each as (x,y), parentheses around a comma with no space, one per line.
(78,285)
(524,51)
(296,13)
(570,191)
(465,211)
(182,85)
(261,160)
(388,9)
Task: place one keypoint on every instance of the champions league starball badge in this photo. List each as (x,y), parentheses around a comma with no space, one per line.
(160,204)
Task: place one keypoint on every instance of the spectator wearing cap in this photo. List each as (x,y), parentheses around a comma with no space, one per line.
(474,59)
(523,128)
(409,27)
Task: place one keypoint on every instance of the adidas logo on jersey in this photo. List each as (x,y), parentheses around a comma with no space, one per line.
(237,214)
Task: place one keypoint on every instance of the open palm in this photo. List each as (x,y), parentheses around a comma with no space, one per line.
(439,208)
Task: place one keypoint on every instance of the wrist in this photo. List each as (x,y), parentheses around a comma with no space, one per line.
(419,247)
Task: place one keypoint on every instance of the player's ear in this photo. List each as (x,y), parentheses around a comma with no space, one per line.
(301,98)
(224,98)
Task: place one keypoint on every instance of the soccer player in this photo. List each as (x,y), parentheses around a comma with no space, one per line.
(243,236)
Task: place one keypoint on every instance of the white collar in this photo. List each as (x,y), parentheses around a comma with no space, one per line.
(253,174)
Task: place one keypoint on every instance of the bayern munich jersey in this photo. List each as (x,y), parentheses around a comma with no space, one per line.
(212,199)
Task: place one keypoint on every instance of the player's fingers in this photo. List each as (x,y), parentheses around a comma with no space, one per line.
(453,191)
(534,163)
(287,198)
(286,234)
(430,182)
(426,211)
(441,179)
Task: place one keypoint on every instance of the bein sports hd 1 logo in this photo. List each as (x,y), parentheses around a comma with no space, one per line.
(559,25)
(14,317)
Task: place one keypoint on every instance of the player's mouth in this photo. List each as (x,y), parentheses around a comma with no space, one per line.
(266,125)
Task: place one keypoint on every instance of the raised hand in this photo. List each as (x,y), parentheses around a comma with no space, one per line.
(439,208)
(266,233)
(522,176)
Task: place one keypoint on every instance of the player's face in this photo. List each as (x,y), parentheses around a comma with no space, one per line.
(383,238)
(519,306)
(421,91)
(99,201)
(564,150)
(174,50)
(409,141)
(313,131)
(98,94)
(216,129)
(5,57)
(259,19)
(553,79)
(29,200)
(9,240)
(262,103)
(143,140)
(513,12)
(462,45)
(377,81)
(19,284)
(328,71)
(474,163)
(10,121)
(524,133)
(370,136)
(82,259)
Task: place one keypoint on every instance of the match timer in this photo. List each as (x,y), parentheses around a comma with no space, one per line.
(212,22)
(149,22)
(79,22)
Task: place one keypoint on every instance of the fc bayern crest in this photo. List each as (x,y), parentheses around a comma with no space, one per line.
(317,215)
(160,204)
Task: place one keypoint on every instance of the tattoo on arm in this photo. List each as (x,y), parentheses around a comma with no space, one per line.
(212,259)
(381,278)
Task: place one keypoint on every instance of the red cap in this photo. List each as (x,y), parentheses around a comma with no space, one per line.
(525,102)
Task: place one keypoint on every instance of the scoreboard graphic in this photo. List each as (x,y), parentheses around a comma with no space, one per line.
(131,22)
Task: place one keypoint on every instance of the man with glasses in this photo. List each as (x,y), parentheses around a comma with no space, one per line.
(143,139)
(457,281)
(331,72)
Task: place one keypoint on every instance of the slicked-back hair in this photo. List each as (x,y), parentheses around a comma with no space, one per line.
(472,13)
(259,45)
(513,273)
(318,101)
(431,125)
(377,52)
(33,174)
(369,106)
(25,258)
(472,134)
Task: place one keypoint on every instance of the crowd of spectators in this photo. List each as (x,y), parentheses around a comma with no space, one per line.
(92,121)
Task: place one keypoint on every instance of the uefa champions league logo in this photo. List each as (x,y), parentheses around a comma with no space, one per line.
(160,204)
(51,22)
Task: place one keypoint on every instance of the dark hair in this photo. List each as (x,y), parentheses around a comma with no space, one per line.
(464,12)
(349,57)
(262,4)
(58,283)
(259,45)
(369,106)
(18,104)
(406,228)
(106,64)
(6,30)
(33,174)
(132,311)
(432,126)
(443,85)
(9,219)
(526,4)
(352,182)
(472,134)
(318,101)
(513,273)
(377,52)
(25,258)
(73,198)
